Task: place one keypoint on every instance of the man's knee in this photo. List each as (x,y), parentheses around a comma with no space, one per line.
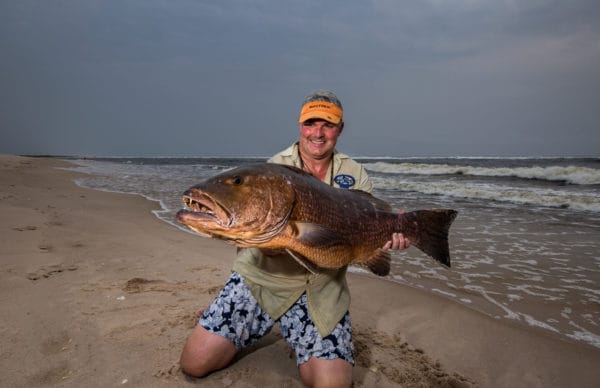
(205,352)
(193,366)
(326,373)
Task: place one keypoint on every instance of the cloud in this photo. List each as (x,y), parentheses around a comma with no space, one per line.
(213,77)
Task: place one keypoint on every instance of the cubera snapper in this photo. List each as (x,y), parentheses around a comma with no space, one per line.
(279,207)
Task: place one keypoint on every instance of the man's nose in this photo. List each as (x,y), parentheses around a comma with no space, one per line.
(319,129)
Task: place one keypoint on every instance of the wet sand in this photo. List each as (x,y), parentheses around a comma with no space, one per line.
(96,291)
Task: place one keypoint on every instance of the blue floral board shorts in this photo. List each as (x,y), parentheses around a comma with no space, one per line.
(237,316)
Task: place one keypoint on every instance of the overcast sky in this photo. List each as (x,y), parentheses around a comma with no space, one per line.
(210,78)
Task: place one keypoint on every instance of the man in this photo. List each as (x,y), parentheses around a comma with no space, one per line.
(265,286)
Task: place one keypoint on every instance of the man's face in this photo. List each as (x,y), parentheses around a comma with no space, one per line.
(318,137)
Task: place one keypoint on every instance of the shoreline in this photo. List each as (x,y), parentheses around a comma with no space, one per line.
(496,303)
(99,291)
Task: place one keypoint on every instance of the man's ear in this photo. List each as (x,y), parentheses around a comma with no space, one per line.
(341,128)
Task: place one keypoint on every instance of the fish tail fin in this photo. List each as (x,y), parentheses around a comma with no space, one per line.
(429,232)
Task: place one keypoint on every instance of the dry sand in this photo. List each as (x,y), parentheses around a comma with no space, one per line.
(96,291)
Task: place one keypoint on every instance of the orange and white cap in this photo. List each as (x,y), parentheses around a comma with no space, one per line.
(322,104)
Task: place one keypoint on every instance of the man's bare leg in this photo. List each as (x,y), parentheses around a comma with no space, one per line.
(318,373)
(206,352)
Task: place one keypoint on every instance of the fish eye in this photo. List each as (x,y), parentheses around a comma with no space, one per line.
(237,180)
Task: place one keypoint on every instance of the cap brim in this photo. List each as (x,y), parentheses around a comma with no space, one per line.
(320,115)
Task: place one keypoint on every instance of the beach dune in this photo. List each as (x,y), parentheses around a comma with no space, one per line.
(97,291)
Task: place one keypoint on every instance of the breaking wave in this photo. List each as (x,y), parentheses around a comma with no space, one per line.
(577,175)
(546,197)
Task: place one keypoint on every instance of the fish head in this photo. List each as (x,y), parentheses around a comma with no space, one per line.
(246,205)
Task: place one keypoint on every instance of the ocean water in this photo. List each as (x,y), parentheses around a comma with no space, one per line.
(525,246)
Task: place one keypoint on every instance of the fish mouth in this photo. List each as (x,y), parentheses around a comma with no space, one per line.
(203,212)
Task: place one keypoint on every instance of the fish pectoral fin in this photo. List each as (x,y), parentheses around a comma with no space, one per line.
(303,261)
(379,262)
(315,235)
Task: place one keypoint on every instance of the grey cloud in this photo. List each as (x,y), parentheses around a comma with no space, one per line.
(205,77)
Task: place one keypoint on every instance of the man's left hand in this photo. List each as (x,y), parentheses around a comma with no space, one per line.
(397,242)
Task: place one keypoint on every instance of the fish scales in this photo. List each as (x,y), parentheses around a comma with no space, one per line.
(281,207)
(355,219)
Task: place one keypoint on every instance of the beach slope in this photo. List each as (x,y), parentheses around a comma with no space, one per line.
(96,291)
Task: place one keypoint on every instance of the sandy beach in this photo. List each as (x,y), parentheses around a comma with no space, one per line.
(96,291)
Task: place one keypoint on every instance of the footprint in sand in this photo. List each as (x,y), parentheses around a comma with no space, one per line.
(171,372)
(53,375)
(46,272)
(410,366)
(137,285)
(45,248)
(56,344)
(25,228)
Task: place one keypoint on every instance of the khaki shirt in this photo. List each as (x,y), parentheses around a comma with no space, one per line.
(278,281)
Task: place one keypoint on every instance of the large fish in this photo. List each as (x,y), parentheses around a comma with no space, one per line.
(284,208)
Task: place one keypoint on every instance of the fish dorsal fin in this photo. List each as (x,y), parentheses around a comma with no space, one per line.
(303,261)
(316,235)
(379,262)
(379,204)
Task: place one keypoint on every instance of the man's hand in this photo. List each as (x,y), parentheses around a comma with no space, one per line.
(397,242)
